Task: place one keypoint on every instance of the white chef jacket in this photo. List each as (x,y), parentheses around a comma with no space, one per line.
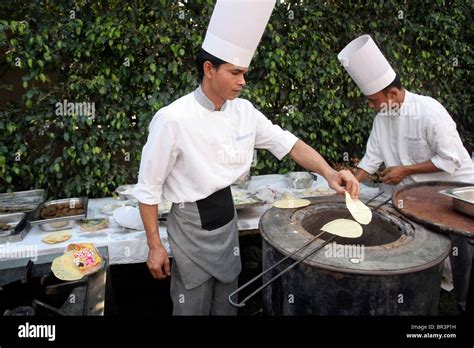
(420,131)
(193,151)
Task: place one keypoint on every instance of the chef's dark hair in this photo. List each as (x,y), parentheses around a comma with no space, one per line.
(395,83)
(202,57)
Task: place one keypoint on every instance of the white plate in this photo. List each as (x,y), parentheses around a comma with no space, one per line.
(129,217)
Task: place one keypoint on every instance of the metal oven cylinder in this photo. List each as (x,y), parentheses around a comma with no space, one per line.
(394,268)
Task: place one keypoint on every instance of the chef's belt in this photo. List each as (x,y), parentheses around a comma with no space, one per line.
(204,239)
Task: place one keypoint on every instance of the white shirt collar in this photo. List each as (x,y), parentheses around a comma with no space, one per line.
(407,107)
(205,102)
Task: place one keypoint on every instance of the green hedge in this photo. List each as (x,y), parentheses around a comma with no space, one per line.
(132,59)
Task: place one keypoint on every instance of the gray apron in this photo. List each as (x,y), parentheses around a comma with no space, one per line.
(204,239)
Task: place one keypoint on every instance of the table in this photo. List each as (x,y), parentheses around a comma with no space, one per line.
(130,246)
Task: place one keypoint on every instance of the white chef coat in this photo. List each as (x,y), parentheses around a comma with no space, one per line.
(420,131)
(193,151)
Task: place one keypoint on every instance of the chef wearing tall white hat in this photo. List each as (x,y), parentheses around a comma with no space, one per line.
(197,147)
(413,135)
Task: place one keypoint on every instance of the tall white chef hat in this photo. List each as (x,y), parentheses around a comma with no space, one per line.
(367,65)
(236,28)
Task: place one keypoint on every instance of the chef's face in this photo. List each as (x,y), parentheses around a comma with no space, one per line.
(227,80)
(384,101)
(377,101)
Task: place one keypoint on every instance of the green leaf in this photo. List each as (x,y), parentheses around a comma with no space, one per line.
(30,94)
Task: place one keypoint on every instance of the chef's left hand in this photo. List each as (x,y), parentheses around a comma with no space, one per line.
(393,175)
(343,181)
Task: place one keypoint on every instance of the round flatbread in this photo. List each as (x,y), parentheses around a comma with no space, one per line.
(91,225)
(359,211)
(343,228)
(291,203)
(59,224)
(64,268)
(57,237)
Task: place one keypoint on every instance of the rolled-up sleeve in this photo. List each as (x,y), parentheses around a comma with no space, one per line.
(272,137)
(373,157)
(158,158)
(445,142)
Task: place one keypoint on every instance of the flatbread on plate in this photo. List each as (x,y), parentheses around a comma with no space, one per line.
(57,237)
(64,268)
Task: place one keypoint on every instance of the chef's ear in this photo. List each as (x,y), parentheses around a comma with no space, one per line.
(393,93)
(208,68)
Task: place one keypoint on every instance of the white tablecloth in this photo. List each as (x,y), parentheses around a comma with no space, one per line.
(129,246)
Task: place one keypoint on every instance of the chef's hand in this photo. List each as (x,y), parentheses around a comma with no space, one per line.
(393,175)
(343,181)
(158,262)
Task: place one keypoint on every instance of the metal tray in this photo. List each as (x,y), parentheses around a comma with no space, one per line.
(463,199)
(12,220)
(63,222)
(246,200)
(19,227)
(21,201)
(422,203)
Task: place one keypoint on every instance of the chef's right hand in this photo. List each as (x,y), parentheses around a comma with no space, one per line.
(158,263)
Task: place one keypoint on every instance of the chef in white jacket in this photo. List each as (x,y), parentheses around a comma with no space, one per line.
(197,147)
(413,135)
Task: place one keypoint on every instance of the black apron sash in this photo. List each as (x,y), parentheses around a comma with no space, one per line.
(217,209)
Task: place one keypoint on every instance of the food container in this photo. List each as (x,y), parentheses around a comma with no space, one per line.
(463,199)
(124,192)
(21,201)
(60,214)
(9,223)
(300,180)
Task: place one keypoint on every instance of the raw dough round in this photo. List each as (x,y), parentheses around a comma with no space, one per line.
(359,211)
(343,228)
(291,203)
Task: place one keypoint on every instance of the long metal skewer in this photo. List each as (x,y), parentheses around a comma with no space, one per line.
(242,303)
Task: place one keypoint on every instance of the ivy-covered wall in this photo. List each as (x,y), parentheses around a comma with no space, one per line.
(91,75)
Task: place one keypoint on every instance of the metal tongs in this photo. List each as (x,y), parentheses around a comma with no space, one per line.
(294,264)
